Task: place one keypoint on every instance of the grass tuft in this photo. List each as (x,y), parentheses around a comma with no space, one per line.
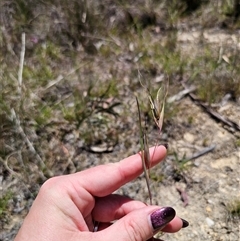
(4,202)
(233,209)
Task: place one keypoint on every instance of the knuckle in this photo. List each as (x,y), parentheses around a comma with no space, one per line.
(49,186)
(135,231)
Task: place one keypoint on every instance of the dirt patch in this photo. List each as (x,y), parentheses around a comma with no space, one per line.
(214,181)
(210,184)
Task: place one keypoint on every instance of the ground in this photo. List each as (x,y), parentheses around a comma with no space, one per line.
(98,127)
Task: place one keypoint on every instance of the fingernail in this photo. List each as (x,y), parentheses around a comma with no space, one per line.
(161,217)
(165,145)
(184,223)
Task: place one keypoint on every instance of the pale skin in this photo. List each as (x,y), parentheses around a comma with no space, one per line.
(66,206)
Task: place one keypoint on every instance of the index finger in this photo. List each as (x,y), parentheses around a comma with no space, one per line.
(105,179)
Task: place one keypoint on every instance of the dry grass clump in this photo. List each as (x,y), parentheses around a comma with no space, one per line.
(233,210)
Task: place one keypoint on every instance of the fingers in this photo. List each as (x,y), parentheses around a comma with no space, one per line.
(141,224)
(174,226)
(105,179)
(114,207)
(81,188)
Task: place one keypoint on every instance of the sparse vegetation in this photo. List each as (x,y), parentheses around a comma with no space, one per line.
(4,201)
(75,93)
(233,209)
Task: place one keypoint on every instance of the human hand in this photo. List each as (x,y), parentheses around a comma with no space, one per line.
(66,206)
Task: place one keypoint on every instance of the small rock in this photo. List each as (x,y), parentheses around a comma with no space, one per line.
(209,222)
(210,201)
(208,209)
(131,47)
(189,137)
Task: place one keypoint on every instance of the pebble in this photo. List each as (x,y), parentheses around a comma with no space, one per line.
(189,137)
(210,201)
(208,209)
(209,222)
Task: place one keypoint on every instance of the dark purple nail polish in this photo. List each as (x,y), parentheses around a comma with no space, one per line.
(161,217)
(165,145)
(184,223)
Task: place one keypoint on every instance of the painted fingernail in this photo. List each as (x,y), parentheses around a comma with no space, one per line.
(185,223)
(161,217)
(165,145)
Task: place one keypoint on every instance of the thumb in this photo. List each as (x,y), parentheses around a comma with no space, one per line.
(138,225)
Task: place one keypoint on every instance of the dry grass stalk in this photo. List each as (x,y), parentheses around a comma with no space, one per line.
(157,109)
(21,63)
(20,130)
(15,119)
(144,153)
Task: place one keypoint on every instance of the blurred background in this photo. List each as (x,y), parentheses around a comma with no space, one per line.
(70,71)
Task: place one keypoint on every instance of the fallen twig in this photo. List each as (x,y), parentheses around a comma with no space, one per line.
(181,94)
(10,170)
(61,77)
(201,153)
(214,114)
(183,195)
